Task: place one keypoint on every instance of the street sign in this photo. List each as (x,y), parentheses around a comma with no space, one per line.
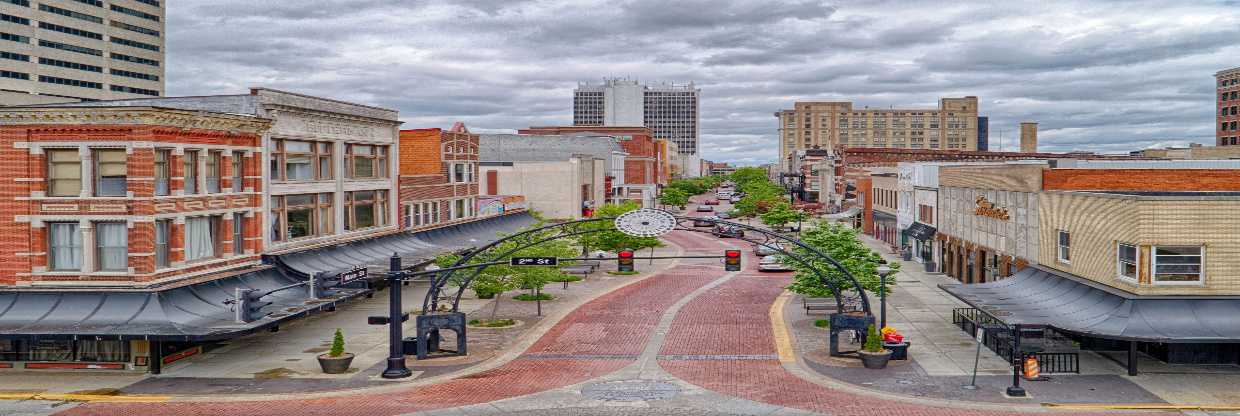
(534,261)
(357,273)
(981,332)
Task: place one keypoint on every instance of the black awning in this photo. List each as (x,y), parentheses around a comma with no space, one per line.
(412,247)
(1039,296)
(188,313)
(921,231)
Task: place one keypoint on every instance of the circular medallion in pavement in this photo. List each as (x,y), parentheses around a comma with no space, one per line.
(646,222)
(630,390)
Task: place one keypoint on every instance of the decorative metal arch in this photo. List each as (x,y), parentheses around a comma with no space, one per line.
(848,299)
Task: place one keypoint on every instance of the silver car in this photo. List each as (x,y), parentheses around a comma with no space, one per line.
(772,264)
(705,208)
(767,249)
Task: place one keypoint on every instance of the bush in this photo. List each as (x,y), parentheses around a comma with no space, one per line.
(495,323)
(528,297)
(565,278)
(873,343)
(822,323)
(337,344)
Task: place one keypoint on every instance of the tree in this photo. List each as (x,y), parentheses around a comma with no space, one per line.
(674,197)
(608,239)
(781,214)
(496,279)
(746,175)
(841,243)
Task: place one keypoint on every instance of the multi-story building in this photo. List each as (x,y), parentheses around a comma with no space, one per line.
(885,192)
(806,164)
(560,176)
(828,124)
(73,50)
(1228,107)
(641,161)
(669,110)
(438,177)
(983,133)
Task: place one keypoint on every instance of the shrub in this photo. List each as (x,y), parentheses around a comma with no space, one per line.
(822,323)
(337,344)
(873,343)
(529,297)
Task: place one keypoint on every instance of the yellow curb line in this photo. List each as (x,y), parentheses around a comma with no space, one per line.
(70,397)
(1140,406)
(783,342)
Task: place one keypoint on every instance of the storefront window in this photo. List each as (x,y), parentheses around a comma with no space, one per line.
(51,350)
(1127,259)
(102,350)
(64,172)
(304,215)
(1177,264)
(365,209)
(65,246)
(367,162)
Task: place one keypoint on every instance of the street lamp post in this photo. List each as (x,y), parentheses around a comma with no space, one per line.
(883,271)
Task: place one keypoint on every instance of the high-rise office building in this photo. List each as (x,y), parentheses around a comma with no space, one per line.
(669,110)
(1228,104)
(75,50)
(827,124)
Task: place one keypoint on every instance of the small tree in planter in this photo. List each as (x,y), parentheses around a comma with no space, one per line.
(336,361)
(873,355)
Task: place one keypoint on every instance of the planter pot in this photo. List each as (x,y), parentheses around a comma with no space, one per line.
(335,365)
(899,351)
(875,360)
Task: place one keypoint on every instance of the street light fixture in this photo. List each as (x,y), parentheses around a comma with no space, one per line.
(883,271)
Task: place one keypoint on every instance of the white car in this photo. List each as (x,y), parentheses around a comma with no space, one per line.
(768,249)
(705,208)
(772,264)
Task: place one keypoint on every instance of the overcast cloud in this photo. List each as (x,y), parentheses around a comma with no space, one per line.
(1102,76)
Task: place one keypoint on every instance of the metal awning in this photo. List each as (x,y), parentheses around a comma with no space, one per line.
(189,313)
(848,213)
(1039,296)
(921,231)
(412,247)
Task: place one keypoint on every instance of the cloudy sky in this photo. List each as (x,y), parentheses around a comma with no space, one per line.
(1100,76)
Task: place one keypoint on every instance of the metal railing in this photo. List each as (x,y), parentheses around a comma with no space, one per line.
(1058,362)
(998,338)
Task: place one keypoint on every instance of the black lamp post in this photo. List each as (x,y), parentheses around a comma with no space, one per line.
(396,358)
(883,271)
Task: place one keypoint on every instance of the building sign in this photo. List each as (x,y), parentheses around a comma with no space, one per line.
(986,208)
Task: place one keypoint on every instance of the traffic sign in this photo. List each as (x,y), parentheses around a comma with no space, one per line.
(353,275)
(534,261)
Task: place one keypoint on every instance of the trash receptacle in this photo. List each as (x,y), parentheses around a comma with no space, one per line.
(899,350)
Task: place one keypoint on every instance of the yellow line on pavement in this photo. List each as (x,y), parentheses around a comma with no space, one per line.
(783,341)
(71,397)
(1140,406)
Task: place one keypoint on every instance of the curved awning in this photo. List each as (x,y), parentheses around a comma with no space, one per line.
(412,247)
(1038,296)
(189,313)
(848,213)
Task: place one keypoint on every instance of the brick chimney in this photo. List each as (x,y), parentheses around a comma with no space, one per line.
(1029,137)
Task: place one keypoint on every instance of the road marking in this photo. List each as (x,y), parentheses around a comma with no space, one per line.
(70,397)
(1141,406)
(783,342)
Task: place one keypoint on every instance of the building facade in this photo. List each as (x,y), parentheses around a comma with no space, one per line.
(438,177)
(886,195)
(988,219)
(983,133)
(669,110)
(66,50)
(828,124)
(1227,116)
(641,161)
(129,197)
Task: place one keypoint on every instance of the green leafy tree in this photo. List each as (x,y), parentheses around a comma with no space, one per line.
(674,197)
(781,214)
(608,238)
(841,243)
(337,344)
(496,279)
(747,175)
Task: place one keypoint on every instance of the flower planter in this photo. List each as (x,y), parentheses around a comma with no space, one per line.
(335,365)
(899,350)
(875,360)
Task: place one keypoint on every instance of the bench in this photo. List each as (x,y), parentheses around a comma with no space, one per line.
(583,268)
(818,304)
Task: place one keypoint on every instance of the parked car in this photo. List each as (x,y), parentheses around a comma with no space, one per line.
(772,264)
(767,249)
(728,231)
(704,221)
(711,202)
(725,215)
(734,199)
(705,208)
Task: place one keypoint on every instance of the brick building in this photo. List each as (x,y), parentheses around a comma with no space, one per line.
(438,177)
(1227,117)
(128,197)
(641,164)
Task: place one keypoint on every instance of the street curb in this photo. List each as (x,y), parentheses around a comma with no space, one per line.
(71,397)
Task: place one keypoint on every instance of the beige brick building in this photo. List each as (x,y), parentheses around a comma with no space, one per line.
(73,50)
(828,124)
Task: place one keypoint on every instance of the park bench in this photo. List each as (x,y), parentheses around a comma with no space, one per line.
(818,304)
(583,268)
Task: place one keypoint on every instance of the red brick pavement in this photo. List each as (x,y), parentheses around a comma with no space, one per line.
(616,326)
(733,319)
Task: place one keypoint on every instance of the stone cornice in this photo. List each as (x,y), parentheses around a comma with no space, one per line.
(145,116)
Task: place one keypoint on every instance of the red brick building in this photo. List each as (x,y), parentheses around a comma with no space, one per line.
(438,177)
(128,196)
(1228,117)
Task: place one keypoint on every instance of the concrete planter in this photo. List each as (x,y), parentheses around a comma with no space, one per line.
(875,360)
(335,365)
(899,350)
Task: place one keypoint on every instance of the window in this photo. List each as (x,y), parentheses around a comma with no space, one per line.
(135,13)
(299,216)
(89,350)
(14,75)
(64,173)
(238,172)
(133,90)
(191,171)
(163,252)
(14,19)
(131,74)
(134,44)
(202,237)
(111,246)
(134,59)
(409,216)
(1177,264)
(1127,261)
(293,160)
(238,233)
(64,243)
(70,31)
(365,209)
(366,162)
(1065,247)
(68,47)
(133,28)
(70,65)
(70,82)
(214,160)
(15,38)
(458,210)
(462,172)
(18,2)
(162,174)
(70,13)
(15,56)
(110,173)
